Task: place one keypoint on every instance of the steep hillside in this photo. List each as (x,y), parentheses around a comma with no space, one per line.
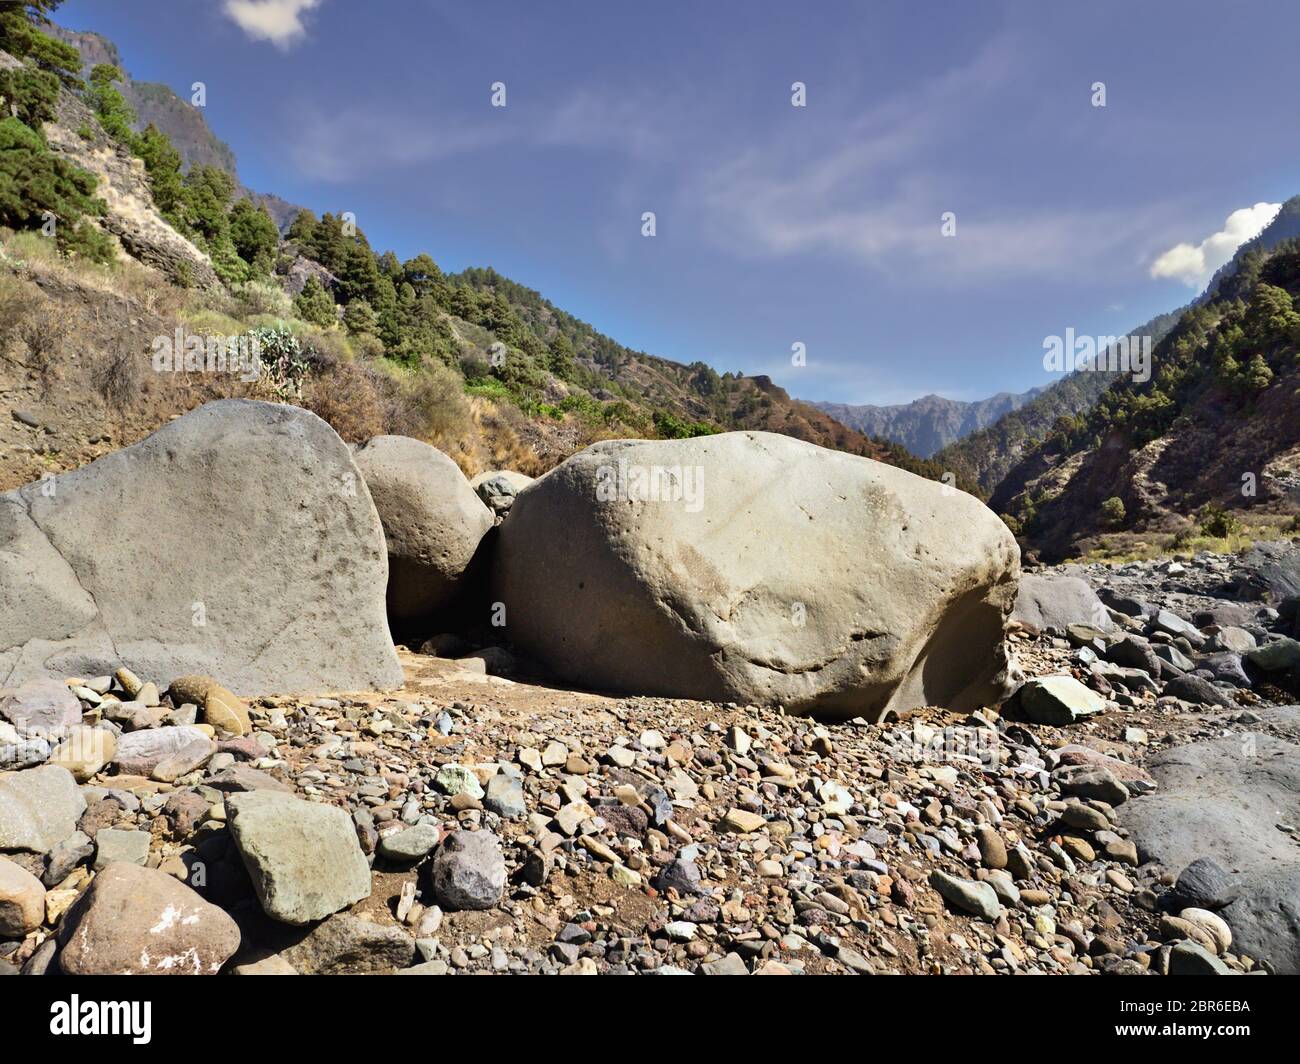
(682,399)
(1210,441)
(930,423)
(989,455)
(985,456)
(1285,226)
(485,368)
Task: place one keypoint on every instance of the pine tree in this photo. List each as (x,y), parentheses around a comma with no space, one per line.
(255,235)
(314,304)
(1256,376)
(359,318)
(28,94)
(303,228)
(162,162)
(109,105)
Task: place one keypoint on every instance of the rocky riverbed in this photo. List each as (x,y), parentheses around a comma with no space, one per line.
(473,822)
(839,729)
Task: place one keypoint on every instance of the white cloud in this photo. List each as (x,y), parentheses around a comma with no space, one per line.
(277,21)
(360,140)
(1194,264)
(873,188)
(364,138)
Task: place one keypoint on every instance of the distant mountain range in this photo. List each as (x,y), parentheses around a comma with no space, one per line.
(982,441)
(927,425)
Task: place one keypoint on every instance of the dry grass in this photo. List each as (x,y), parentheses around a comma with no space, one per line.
(34,333)
(18,299)
(116,377)
(35,255)
(1133,548)
(44,332)
(348,383)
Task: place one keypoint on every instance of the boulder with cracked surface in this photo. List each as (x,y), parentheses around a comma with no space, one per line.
(253,512)
(753,567)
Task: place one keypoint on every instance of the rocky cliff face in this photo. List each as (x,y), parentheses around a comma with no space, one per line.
(183,123)
(124,188)
(157,103)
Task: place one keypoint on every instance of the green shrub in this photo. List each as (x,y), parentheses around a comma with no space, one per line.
(263,297)
(28,94)
(1112,511)
(671,427)
(1218,522)
(284,363)
(315,305)
(34,181)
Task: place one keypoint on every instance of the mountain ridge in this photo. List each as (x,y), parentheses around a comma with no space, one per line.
(927,424)
(1209,442)
(185,125)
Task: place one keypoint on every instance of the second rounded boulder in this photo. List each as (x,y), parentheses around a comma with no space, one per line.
(756,568)
(433,522)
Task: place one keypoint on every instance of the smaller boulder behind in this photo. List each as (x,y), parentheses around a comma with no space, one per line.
(1056,602)
(433,522)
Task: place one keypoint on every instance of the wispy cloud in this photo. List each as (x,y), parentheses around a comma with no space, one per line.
(347,144)
(365,138)
(873,191)
(1194,264)
(867,186)
(277,21)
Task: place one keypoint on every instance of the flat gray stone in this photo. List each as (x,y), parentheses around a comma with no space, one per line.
(409,845)
(1058,700)
(731,964)
(116,845)
(39,808)
(303,857)
(140,752)
(1265,916)
(977,899)
(505,797)
(1221,799)
(1051,601)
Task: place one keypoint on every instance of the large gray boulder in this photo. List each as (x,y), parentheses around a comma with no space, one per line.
(1265,916)
(1268,572)
(1224,800)
(1050,601)
(433,522)
(757,568)
(239,541)
(1221,799)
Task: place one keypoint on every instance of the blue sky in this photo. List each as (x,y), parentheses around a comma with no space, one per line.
(819,225)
